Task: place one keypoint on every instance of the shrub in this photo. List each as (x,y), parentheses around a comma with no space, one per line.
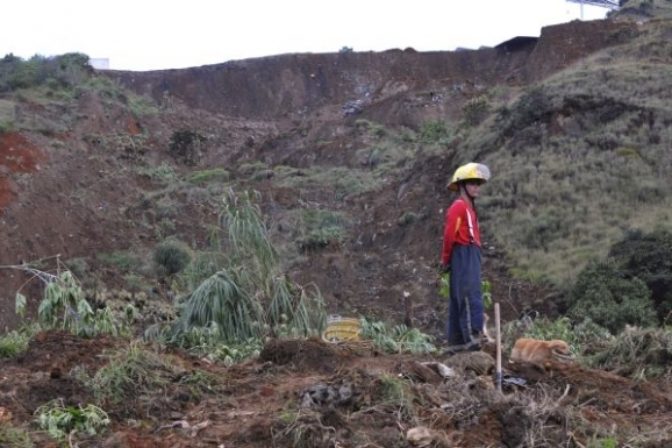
(321,228)
(14,343)
(64,306)
(535,105)
(475,110)
(60,420)
(171,256)
(66,70)
(433,131)
(649,258)
(249,297)
(603,294)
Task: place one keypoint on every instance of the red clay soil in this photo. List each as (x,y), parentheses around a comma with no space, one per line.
(17,155)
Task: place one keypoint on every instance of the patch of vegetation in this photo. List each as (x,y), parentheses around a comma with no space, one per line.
(78,266)
(211,175)
(397,339)
(434,132)
(65,71)
(249,297)
(132,372)
(15,342)
(203,265)
(65,307)
(321,228)
(375,130)
(171,257)
(342,181)
(13,437)
(395,392)
(475,110)
(648,257)
(7,116)
(163,173)
(207,342)
(603,294)
(61,421)
(637,352)
(124,261)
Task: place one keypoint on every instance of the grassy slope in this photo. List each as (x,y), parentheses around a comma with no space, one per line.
(580,157)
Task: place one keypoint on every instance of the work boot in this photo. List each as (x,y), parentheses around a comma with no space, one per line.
(471,346)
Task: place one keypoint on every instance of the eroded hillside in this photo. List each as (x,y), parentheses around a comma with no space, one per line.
(350,151)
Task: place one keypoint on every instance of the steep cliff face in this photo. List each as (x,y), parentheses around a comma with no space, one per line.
(294,85)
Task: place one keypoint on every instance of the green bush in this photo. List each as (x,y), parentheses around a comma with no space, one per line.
(65,71)
(249,296)
(321,228)
(397,339)
(648,256)
(172,256)
(475,110)
(13,343)
(433,131)
(603,294)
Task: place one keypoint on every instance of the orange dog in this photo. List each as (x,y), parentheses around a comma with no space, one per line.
(541,353)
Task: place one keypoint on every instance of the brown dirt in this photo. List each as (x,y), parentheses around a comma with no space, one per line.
(260,403)
(310,354)
(17,155)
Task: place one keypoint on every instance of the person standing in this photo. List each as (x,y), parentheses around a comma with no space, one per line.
(461,256)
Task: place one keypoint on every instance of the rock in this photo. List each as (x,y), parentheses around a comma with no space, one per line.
(421,436)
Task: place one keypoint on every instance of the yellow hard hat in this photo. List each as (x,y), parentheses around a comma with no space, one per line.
(475,171)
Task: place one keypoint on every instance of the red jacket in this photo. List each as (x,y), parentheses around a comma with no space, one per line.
(457,228)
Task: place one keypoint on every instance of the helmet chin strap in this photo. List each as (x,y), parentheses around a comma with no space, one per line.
(463,188)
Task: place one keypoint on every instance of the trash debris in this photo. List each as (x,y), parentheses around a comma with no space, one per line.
(321,395)
(440,368)
(183,424)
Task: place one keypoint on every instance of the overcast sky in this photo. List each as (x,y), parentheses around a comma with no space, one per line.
(160,34)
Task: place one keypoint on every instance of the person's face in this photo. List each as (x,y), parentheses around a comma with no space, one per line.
(473,188)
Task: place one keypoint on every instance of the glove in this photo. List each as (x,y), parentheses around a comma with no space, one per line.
(444,268)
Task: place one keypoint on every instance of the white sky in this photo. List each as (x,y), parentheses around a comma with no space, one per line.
(160,34)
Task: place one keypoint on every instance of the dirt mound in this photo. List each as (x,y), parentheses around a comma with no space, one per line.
(310,354)
(42,373)
(54,351)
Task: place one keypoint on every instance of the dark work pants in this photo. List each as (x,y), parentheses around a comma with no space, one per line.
(465,310)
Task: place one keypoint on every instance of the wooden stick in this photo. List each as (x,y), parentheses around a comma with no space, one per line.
(498,341)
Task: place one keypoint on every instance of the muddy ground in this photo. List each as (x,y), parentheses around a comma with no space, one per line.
(315,394)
